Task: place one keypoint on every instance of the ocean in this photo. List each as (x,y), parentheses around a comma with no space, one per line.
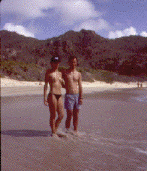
(112,134)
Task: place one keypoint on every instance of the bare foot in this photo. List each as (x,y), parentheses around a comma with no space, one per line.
(75,133)
(67,130)
(55,136)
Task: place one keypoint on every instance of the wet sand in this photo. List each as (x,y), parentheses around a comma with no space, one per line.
(112,126)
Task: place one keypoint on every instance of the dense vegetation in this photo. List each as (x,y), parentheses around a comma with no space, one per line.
(99,58)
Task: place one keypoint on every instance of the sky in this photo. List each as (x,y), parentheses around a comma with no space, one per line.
(43,19)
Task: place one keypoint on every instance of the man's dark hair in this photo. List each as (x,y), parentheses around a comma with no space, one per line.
(71,58)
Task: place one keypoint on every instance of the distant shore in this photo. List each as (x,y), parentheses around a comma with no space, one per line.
(14,87)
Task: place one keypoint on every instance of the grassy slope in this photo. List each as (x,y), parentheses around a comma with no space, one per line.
(34,72)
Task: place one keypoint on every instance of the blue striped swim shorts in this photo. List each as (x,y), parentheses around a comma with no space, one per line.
(72,101)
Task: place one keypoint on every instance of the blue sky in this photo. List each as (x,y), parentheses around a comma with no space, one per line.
(43,19)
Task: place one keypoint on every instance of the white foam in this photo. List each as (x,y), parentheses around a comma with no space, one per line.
(141,98)
(81,133)
(141,151)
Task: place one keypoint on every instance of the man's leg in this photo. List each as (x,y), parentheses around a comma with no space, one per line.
(60,110)
(52,107)
(75,119)
(68,119)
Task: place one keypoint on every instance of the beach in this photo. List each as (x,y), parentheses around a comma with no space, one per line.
(112,129)
(11,87)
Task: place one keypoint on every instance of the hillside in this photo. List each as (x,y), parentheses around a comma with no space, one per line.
(26,58)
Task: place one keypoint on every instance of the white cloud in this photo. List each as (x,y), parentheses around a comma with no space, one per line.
(27,8)
(68,10)
(75,10)
(95,25)
(143,33)
(122,33)
(18,29)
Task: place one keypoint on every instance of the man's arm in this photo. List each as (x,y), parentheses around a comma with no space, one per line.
(45,89)
(80,89)
(63,83)
(63,78)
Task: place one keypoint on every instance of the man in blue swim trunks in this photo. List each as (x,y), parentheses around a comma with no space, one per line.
(73,96)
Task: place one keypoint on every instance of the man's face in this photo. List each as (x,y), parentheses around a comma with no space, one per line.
(73,63)
(54,65)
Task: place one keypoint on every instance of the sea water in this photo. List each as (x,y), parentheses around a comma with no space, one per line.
(115,132)
(112,132)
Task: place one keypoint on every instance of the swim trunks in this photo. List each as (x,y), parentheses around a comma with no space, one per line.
(72,101)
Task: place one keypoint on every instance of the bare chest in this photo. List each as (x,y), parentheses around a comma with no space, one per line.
(73,76)
(55,77)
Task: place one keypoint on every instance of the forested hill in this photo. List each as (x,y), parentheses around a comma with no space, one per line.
(28,58)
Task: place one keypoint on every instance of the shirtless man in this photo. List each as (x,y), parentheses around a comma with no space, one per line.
(73,96)
(54,98)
